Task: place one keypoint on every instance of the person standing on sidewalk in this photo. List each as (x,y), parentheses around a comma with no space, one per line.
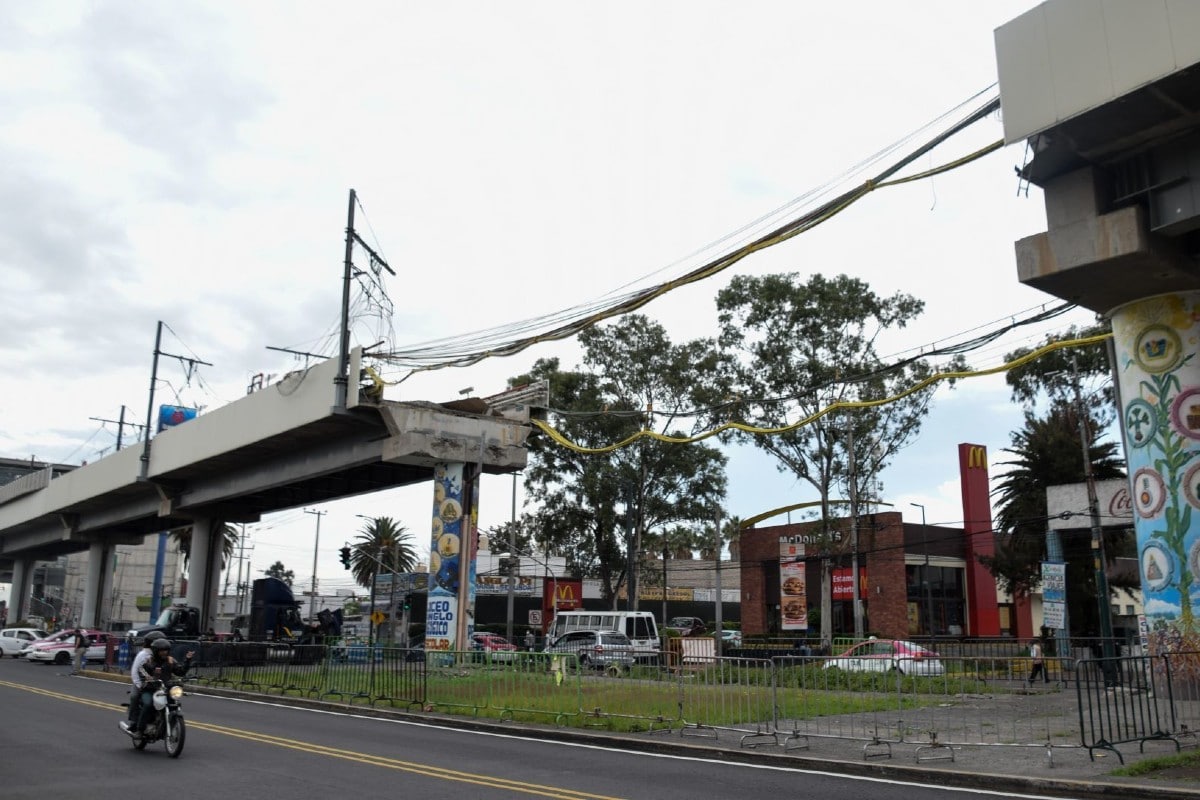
(1039,663)
(81,648)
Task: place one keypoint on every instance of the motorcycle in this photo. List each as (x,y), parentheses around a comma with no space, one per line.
(167,724)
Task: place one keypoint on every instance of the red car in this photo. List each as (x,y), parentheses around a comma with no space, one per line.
(499,648)
(59,648)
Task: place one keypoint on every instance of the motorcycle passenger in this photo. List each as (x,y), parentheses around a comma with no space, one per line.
(135,695)
(158,667)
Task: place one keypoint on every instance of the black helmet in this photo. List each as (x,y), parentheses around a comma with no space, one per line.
(160,644)
(148,641)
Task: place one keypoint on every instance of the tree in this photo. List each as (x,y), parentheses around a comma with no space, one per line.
(1052,376)
(384,545)
(277,570)
(790,349)
(601,508)
(1048,452)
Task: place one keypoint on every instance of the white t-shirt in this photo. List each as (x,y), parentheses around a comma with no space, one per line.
(138,660)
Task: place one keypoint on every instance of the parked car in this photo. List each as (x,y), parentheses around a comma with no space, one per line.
(499,648)
(685,625)
(731,638)
(14,640)
(596,649)
(884,655)
(60,648)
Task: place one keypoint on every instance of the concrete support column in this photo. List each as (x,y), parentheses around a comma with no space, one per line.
(93,577)
(18,595)
(1155,342)
(199,567)
(451,559)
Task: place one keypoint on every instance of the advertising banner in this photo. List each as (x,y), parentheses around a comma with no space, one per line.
(170,416)
(843,583)
(1054,594)
(793,588)
(445,554)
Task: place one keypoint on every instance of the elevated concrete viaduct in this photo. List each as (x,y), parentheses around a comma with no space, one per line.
(287,445)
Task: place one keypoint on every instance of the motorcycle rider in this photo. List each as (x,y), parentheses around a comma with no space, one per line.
(135,695)
(158,667)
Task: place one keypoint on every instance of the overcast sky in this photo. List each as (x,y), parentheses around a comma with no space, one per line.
(190,162)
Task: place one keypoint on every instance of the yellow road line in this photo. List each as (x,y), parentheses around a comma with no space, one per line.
(427,770)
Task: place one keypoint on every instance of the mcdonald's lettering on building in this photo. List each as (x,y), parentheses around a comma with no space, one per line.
(977,457)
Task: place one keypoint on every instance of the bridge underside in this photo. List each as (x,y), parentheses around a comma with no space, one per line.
(360,451)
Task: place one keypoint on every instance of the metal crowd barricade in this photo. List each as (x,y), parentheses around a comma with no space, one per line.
(1181,672)
(457,679)
(735,695)
(932,702)
(642,696)
(533,686)
(1124,700)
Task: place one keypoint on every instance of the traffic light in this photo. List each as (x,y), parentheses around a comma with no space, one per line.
(407,603)
(345,554)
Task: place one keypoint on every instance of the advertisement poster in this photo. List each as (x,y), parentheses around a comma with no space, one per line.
(1159,381)
(793,589)
(445,553)
(1054,594)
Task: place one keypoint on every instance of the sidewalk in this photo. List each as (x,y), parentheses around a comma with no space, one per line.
(1064,771)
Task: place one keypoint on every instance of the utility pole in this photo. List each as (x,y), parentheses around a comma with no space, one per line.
(857,602)
(192,362)
(512,553)
(1099,562)
(312,608)
(120,423)
(718,623)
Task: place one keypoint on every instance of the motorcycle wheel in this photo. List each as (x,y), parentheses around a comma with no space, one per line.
(173,741)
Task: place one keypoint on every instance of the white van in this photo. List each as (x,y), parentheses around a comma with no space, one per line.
(639,626)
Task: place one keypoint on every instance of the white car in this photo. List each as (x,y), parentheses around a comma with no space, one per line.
(14,640)
(60,648)
(885,655)
(731,638)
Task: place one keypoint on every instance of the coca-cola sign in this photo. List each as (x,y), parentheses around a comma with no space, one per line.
(1120,504)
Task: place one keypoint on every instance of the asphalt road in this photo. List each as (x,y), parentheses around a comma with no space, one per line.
(59,738)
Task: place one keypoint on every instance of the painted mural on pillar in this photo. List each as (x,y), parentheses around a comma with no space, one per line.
(446,550)
(1159,383)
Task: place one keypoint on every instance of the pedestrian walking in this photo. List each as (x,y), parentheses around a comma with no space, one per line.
(1039,663)
(81,648)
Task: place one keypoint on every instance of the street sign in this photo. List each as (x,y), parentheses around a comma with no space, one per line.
(535,616)
(378,617)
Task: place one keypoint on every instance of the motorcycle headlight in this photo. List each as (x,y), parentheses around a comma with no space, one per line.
(176,692)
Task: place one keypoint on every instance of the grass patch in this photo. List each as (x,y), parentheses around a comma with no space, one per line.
(1149,766)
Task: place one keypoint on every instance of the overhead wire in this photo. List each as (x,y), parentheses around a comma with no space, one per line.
(472,348)
(742,427)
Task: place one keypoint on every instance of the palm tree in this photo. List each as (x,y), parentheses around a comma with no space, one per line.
(1047,453)
(384,545)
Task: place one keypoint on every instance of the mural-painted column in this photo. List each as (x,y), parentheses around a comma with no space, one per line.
(1158,374)
(447,570)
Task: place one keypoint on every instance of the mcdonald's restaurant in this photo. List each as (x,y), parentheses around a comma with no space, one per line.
(913,580)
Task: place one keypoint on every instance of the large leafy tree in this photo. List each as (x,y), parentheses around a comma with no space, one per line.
(1048,451)
(791,348)
(600,508)
(382,544)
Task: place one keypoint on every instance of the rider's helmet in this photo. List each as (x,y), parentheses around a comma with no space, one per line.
(160,646)
(150,637)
